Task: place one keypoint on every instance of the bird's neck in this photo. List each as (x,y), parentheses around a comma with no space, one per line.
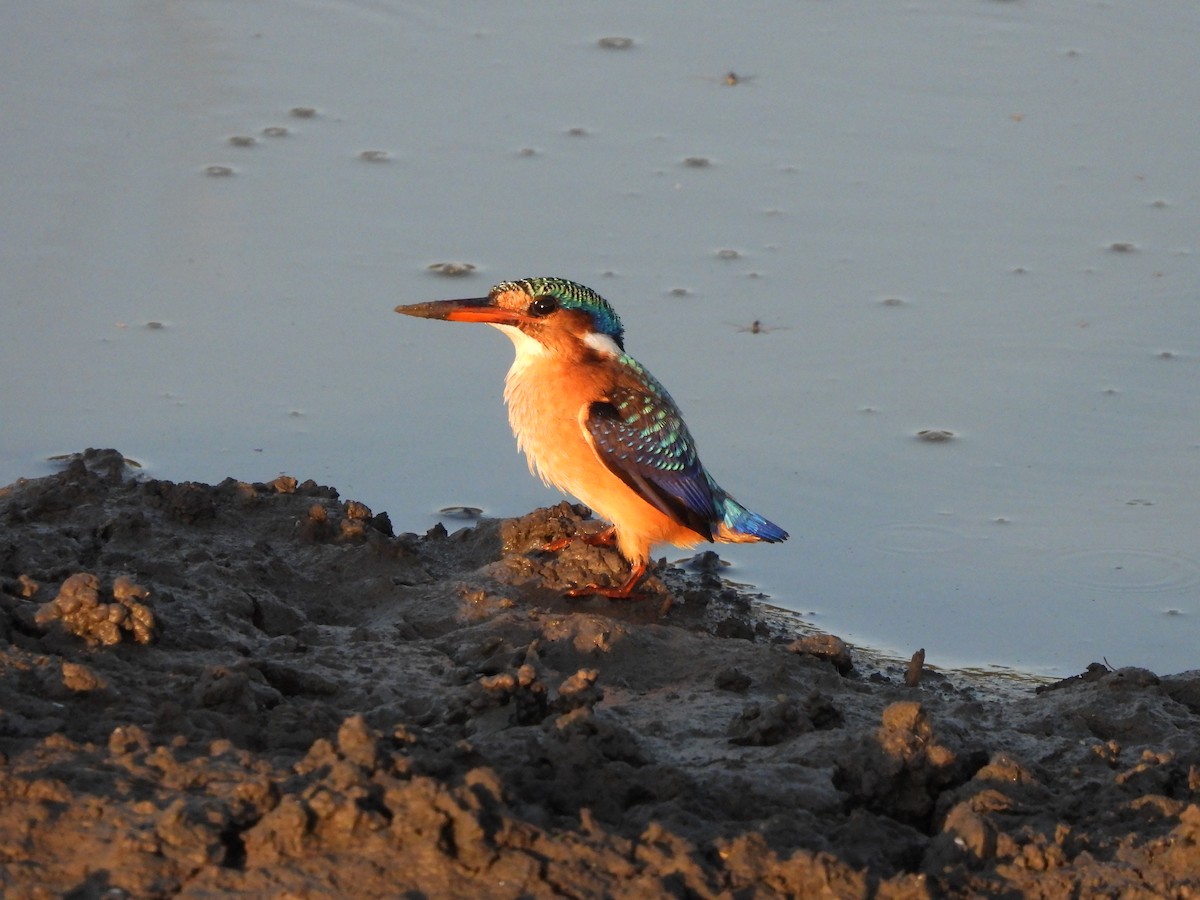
(548,389)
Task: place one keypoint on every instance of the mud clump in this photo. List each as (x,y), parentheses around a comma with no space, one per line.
(79,609)
(905,768)
(259,689)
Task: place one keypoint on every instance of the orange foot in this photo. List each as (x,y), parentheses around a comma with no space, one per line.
(605,538)
(622,592)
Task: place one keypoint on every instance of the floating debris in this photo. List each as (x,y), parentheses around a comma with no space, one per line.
(935,435)
(451,269)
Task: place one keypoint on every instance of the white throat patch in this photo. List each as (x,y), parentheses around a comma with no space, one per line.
(528,349)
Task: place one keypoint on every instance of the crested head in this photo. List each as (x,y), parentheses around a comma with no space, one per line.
(560,294)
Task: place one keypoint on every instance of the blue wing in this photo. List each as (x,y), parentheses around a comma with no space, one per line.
(640,436)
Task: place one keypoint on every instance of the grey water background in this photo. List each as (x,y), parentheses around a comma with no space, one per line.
(981,218)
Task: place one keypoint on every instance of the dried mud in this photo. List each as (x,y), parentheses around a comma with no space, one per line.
(258,689)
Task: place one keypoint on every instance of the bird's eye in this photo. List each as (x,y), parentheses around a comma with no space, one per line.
(543,306)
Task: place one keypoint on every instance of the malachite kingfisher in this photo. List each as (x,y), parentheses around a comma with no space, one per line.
(595,424)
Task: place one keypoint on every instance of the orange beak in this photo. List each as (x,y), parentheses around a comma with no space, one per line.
(472,309)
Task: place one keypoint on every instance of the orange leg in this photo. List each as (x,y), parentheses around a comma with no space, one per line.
(623,592)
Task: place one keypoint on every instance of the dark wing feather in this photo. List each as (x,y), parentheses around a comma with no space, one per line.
(641,438)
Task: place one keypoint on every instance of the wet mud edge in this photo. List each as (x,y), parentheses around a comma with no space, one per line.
(259,688)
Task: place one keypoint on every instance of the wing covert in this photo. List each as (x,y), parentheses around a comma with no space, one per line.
(642,439)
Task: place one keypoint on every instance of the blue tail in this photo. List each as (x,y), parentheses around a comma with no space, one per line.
(741,521)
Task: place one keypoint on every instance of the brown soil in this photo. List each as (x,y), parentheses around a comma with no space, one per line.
(257,689)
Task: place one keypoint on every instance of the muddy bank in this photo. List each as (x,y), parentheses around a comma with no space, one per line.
(259,688)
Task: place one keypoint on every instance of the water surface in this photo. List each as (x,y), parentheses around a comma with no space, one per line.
(978,219)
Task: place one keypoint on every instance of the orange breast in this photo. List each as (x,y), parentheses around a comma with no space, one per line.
(546,399)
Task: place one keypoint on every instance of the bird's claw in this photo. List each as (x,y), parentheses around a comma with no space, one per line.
(557,544)
(623,591)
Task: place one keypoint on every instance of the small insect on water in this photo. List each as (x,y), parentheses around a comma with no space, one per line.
(729,79)
(756,327)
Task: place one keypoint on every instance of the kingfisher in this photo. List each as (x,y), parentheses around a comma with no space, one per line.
(594,423)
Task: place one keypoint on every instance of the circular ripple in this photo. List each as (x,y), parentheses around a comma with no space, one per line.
(1121,571)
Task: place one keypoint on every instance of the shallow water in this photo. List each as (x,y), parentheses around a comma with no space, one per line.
(982,220)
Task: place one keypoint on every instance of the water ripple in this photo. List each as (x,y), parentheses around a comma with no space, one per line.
(1123,570)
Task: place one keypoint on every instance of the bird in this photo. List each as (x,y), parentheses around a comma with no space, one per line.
(595,424)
